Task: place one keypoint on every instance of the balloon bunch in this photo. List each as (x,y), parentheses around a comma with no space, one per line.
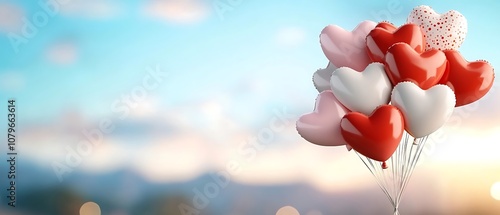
(387,88)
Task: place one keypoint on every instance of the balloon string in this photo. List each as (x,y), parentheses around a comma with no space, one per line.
(417,156)
(404,166)
(393,171)
(379,177)
(383,177)
(403,163)
(407,165)
(372,170)
(408,161)
(399,157)
(403,155)
(414,161)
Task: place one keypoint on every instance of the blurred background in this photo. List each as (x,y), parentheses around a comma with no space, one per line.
(152,107)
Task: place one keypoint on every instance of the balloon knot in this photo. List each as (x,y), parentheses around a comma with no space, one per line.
(384,165)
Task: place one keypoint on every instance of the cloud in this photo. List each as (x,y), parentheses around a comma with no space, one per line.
(108,156)
(11,81)
(468,145)
(179,142)
(290,36)
(175,159)
(63,52)
(178,11)
(10,18)
(92,9)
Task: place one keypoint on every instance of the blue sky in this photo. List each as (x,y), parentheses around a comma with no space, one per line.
(206,56)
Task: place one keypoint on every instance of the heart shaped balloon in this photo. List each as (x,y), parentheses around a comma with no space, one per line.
(380,39)
(424,111)
(387,26)
(321,78)
(361,91)
(446,31)
(376,136)
(345,48)
(469,80)
(322,126)
(403,63)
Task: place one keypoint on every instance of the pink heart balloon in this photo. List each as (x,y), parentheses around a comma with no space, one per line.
(322,126)
(347,49)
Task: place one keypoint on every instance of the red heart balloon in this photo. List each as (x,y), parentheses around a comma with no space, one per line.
(387,26)
(403,63)
(470,80)
(381,38)
(376,136)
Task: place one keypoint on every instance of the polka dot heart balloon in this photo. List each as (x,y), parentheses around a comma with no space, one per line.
(442,31)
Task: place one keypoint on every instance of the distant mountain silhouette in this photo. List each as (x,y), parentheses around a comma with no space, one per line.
(40,193)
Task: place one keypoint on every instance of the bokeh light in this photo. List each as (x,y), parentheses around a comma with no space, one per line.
(495,191)
(287,210)
(90,208)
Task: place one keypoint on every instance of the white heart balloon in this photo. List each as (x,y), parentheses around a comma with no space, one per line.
(361,91)
(321,78)
(442,31)
(424,111)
